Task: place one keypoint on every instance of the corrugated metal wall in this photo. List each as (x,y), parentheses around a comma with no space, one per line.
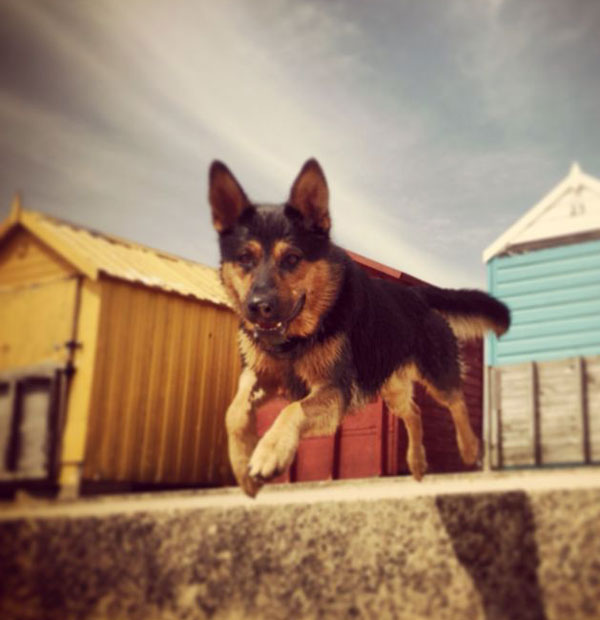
(554,297)
(166,370)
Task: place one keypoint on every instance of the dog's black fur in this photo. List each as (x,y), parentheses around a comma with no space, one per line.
(363,338)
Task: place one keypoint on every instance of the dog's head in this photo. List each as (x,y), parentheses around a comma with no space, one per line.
(275,259)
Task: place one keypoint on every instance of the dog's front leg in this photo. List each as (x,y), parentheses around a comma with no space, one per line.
(317,414)
(240,421)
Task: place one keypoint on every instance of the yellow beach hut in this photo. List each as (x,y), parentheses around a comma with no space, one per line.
(117,361)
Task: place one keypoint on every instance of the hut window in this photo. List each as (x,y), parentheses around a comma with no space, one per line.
(28,414)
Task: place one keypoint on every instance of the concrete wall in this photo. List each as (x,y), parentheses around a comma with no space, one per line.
(467,546)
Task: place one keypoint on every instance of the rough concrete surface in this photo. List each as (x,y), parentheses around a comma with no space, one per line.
(513,553)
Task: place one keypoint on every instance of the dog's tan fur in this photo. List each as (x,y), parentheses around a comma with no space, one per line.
(317,414)
(319,361)
(318,276)
(313,286)
(470,328)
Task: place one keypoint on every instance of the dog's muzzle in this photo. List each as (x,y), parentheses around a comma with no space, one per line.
(274,333)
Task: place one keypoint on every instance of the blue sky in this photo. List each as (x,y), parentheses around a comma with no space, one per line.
(438,124)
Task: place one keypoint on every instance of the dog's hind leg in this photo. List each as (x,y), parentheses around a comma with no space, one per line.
(439,371)
(454,400)
(397,394)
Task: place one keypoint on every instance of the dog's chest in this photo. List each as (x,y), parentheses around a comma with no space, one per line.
(317,364)
(296,376)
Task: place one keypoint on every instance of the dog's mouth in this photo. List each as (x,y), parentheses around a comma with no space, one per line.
(274,332)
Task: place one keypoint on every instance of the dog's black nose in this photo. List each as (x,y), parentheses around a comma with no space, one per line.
(262,307)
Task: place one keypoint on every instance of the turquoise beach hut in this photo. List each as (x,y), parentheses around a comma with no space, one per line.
(543,376)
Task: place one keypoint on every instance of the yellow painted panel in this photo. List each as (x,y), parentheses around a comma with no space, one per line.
(24,260)
(36,322)
(119,354)
(166,371)
(93,443)
(173,388)
(189,396)
(195,387)
(78,408)
(154,407)
(134,398)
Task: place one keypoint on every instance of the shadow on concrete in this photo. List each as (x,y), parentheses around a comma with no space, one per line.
(493,537)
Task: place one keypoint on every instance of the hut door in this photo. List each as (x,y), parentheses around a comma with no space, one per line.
(36,326)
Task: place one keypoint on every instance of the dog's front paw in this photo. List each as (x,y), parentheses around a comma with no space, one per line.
(274,453)
(249,485)
(240,449)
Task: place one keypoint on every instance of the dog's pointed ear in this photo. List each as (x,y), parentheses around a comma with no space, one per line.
(310,196)
(226,196)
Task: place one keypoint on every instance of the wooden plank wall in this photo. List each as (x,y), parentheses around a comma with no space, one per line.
(166,370)
(554,298)
(561,422)
(592,382)
(545,413)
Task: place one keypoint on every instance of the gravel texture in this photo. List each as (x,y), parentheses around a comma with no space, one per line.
(493,555)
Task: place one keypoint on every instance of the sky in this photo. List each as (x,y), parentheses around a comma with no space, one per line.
(437,123)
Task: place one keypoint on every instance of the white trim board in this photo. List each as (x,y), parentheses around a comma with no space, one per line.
(572,208)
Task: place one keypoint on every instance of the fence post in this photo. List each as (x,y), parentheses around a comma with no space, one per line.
(582,404)
(496,420)
(487,419)
(535,412)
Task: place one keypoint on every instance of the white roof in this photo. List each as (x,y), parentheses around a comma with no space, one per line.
(572,208)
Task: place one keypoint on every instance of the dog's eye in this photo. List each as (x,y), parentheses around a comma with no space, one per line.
(246,259)
(290,260)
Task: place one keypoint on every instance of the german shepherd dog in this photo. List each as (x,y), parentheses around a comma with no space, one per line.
(317,329)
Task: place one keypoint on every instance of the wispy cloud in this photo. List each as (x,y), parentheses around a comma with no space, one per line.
(427,122)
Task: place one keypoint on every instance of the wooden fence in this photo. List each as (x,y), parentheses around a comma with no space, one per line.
(544,413)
